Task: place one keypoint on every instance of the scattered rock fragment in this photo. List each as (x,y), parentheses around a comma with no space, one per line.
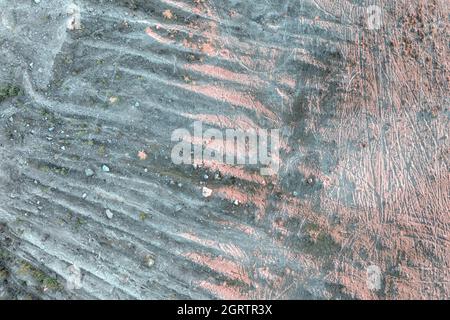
(105,168)
(88,172)
(167,14)
(109,214)
(206,192)
(149,261)
(113,99)
(142,155)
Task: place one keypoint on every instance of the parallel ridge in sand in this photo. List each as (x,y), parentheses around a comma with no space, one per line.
(364,166)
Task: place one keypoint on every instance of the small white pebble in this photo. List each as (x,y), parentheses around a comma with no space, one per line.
(149,261)
(206,192)
(109,214)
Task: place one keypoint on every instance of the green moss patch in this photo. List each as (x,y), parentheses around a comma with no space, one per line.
(9,91)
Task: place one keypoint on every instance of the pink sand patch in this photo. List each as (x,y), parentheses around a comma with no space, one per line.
(232,97)
(221,265)
(223,291)
(156,36)
(225,74)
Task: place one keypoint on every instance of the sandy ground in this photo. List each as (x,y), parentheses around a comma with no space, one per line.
(358,210)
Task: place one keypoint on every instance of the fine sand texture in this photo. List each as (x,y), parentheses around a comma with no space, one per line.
(93,207)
